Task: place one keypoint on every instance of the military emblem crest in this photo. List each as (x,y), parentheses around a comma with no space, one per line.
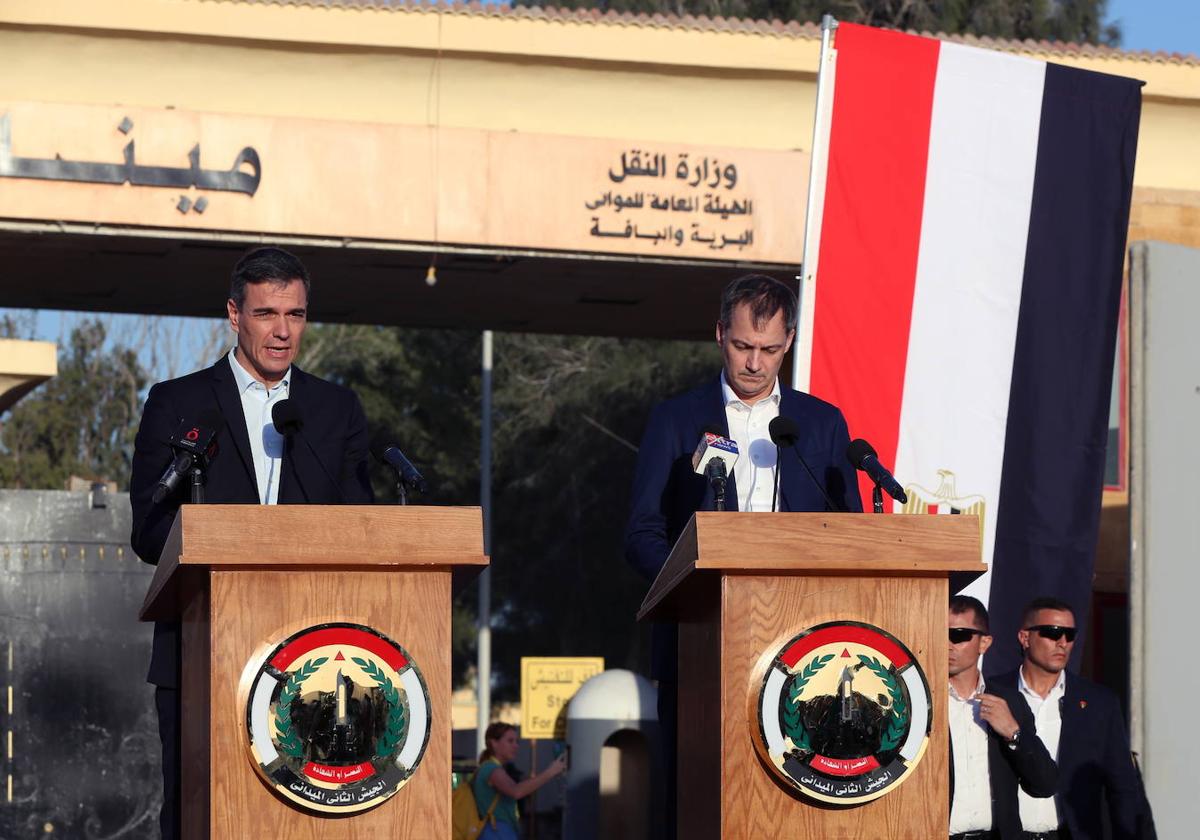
(844,713)
(338,718)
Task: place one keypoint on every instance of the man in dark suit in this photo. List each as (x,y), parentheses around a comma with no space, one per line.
(1082,726)
(755,329)
(253,463)
(994,748)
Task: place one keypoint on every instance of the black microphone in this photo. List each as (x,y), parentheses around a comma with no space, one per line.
(785,432)
(285,417)
(862,456)
(410,475)
(194,445)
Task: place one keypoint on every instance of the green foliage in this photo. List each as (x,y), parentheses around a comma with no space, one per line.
(793,722)
(1080,21)
(289,740)
(393,732)
(898,719)
(568,412)
(82,422)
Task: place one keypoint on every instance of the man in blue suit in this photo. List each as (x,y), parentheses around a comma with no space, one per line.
(1083,728)
(253,463)
(756,327)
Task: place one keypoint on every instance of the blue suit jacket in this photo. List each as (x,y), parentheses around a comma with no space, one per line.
(666,491)
(334,424)
(1093,759)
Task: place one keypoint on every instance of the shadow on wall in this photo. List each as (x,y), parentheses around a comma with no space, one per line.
(625,785)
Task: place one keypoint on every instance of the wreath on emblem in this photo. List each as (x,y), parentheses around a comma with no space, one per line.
(394,729)
(289,741)
(793,724)
(393,732)
(898,724)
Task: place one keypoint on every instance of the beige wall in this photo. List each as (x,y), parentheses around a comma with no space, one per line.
(23,366)
(505,71)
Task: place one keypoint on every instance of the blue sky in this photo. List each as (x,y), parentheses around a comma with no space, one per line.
(1170,25)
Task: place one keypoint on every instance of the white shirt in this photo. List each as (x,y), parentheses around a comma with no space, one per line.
(754,472)
(971,809)
(266,444)
(1042,814)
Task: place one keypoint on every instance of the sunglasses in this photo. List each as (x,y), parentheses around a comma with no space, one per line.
(1053,632)
(958,635)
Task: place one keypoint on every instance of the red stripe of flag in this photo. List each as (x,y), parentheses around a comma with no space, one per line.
(871,229)
(845,634)
(339,636)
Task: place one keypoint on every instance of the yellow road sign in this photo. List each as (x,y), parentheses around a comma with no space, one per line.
(547,684)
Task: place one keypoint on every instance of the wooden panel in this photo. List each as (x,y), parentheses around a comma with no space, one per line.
(341,536)
(195,774)
(364,533)
(803,543)
(819,541)
(760,614)
(254,610)
(698,741)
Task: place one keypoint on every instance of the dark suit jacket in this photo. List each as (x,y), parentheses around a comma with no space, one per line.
(1028,765)
(1093,759)
(666,491)
(334,424)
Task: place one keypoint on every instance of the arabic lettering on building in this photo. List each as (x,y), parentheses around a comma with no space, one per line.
(129,171)
(690,201)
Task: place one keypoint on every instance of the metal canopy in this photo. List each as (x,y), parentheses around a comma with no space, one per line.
(82,267)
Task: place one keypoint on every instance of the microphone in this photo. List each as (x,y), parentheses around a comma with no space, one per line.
(285,417)
(410,475)
(862,456)
(785,432)
(714,458)
(195,444)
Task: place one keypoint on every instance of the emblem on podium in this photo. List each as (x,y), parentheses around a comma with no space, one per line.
(844,713)
(338,718)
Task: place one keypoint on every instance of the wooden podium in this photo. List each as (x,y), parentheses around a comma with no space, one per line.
(741,585)
(243,578)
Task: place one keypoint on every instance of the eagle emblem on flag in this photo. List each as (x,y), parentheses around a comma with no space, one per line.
(945,499)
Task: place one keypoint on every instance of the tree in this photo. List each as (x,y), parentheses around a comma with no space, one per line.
(1080,21)
(82,422)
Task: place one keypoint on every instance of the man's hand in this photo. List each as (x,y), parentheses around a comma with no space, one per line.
(995,711)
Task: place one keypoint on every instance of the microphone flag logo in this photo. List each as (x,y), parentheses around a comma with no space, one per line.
(338,718)
(844,713)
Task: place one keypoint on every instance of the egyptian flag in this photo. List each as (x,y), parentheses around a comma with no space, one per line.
(967,292)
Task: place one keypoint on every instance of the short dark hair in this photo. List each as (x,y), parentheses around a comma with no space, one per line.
(1044,602)
(960,604)
(267,265)
(765,295)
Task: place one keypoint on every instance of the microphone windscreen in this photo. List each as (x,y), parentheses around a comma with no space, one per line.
(784,431)
(285,416)
(858,451)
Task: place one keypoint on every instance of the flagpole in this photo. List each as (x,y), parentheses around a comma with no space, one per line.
(814,206)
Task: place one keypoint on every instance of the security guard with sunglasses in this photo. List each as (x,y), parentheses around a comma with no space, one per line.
(994,749)
(1081,725)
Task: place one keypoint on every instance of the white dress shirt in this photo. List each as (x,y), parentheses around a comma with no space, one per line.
(266,444)
(971,809)
(754,472)
(1042,814)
